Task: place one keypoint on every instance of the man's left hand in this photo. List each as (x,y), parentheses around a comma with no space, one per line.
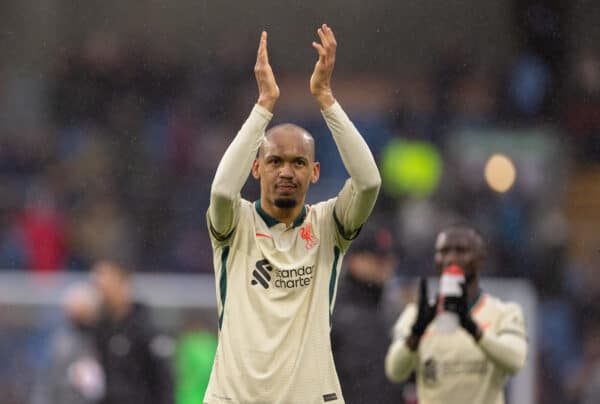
(320,81)
(466,321)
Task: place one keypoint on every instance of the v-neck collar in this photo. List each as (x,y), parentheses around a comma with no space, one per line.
(271,221)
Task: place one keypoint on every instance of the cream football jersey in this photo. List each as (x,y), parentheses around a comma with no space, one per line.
(276,288)
(452,368)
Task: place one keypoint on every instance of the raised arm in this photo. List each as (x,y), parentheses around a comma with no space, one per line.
(357,197)
(236,163)
(400,360)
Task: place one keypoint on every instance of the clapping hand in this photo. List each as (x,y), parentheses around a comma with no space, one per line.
(320,80)
(268,91)
(426,313)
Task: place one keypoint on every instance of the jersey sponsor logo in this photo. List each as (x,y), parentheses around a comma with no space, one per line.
(329,397)
(262,273)
(462,367)
(266,275)
(433,370)
(430,371)
(307,236)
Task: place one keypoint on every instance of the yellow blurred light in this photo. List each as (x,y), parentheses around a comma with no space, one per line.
(411,167)
(500,172)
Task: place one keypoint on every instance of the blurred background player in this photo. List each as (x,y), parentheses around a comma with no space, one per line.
(194,356)
(277,260)
(74,375)
(360,332)
(133,353)
(472,364)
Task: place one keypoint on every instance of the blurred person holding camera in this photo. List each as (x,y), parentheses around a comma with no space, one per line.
(134,354)
(360,332)
(470,364)
(75,375)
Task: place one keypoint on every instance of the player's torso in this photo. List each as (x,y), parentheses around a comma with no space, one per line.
(274,340)
(453,369)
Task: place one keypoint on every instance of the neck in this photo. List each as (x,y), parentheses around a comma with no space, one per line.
(282,215)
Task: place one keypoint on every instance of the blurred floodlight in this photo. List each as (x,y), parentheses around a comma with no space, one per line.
(500,172)
(411,167)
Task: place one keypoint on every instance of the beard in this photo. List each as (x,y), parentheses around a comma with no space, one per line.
(285,203)
(469,278)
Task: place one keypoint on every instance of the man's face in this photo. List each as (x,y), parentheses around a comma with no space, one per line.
(110,284)
(286,167)
(458,247)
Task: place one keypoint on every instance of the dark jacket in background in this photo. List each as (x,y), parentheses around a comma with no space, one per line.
(135,357)
(360,339)
(74,375)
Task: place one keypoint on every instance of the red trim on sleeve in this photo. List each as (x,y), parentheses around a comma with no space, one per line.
(480,304)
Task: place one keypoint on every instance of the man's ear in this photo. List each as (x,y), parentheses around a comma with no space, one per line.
(255,172)
(316,171)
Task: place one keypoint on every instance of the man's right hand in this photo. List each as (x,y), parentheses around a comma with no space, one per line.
(425,315)
(268,91)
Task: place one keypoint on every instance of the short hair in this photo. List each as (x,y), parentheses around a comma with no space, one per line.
(289,127)
(479,237)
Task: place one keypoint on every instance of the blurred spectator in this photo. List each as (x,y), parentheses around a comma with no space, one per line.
(453,65)
(100,229)
(43,229)
(12,245)
(134,355)
(360,333)
(582,111)
(75,375)
(541,26)
(528,87)
(194,358)
(415,108)
(583,383)
(472,101)
(591,389)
